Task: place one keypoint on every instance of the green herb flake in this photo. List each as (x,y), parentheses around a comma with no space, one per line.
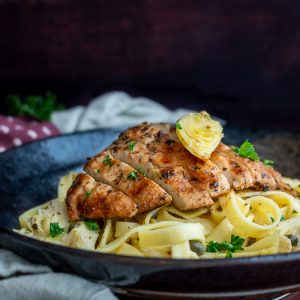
(131,146)
(36,106)
(92,225)
(247,150)
(141,170)
(282,218)
(87,194)
(228,254)
(295,212)
(235,244)
(55,230)
(272,219)
(107,160)
(98,171)
(133,175)
(178,126)
(268,162)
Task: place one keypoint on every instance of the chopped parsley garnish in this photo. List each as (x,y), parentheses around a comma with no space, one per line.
(98,171)
(272,219)
(92,225)
(87,194)
(178,125)
(133,175)
(107,160)
(295,212)
(268,162)
(228,254)
(235,244)
(131,146)
(282,218)
(247,150)
(141,170)
(55,230)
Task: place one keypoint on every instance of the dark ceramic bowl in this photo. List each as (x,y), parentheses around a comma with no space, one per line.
(29,176)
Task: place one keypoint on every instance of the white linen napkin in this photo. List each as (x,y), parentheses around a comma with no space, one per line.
(24,280)
(114,109)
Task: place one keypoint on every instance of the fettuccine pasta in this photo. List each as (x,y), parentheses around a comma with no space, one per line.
(236,225)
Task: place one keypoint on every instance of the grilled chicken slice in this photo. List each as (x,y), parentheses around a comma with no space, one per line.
(167,151)
(203,175)
(172,179)
(262,175)
(95,200)
(238,176)
(145,192)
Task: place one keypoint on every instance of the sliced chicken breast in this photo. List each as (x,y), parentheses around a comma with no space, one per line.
(121,176)
(90,199)
(238,176)
(167,151)
(262,177)
(173,179)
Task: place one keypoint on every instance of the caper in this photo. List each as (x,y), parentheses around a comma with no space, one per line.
(197,247)
(250,241)
(293,238)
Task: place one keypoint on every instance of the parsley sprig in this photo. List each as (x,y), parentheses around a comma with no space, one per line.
(235,244)
(131,146)
(268,162)
(87,194)
(55,230)
(36,106)
(178,126)
(92,225)
(133,175)
(107,160)
(247,150)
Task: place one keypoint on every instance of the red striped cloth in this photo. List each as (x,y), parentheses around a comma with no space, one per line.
(16,131)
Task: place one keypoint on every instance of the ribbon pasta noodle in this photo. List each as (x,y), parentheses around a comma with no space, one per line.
(264,221)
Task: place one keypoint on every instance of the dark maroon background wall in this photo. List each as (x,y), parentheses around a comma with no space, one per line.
(238,59)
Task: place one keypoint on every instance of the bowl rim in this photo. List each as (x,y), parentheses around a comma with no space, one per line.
(154,261)
(141,261)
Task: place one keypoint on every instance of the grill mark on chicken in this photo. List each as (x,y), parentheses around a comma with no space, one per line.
(94,200)
(171,179)
(146,193)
